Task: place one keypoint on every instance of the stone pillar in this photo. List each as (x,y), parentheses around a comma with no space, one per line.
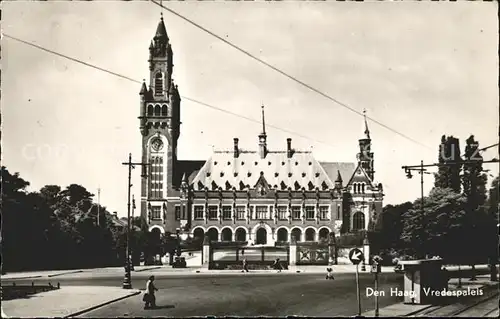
(205,253)
(366,251)
(332,249)
(250,237)
(293,253)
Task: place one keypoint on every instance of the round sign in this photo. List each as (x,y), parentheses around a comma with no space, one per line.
(356,256)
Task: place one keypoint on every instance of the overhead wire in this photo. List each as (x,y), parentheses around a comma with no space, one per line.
(250,55)
(139,82)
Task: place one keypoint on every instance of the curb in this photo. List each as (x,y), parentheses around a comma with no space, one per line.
(139,270)
(27,277)
(65,273)
(102,305)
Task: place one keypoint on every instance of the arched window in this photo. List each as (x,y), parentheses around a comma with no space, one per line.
(282,235)
(227,234)
(157,110)
(150,110)
(159,83)
(358,221)
(310,234)
(363,188)
(164,111)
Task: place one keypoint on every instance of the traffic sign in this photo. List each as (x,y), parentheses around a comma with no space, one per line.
(356,256)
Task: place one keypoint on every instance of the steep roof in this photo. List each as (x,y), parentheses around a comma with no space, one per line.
(189,168)
(301,170)
(346,170)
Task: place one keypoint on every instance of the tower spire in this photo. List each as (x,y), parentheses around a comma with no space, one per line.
(263,121)
(263,137)
(367,131)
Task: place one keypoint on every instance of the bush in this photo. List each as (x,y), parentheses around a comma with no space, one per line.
(351,239)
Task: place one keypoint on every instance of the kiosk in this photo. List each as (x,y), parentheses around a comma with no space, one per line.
(423,274)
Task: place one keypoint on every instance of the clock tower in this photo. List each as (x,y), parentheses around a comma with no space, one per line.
(159,126)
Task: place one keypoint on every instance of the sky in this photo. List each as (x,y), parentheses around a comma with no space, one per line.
(423,69)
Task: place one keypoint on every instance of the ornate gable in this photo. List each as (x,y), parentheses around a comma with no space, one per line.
(262,186)
(360,176)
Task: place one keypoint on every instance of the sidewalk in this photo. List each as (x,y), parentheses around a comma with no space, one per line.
(55,273)
(64,302)
(406,310)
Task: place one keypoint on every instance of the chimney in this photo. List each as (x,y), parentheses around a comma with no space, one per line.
(236,149)
(289,147)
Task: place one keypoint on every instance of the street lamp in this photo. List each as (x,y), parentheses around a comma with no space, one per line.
(127,281)
(421,170)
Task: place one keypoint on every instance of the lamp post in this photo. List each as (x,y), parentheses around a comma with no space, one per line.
(127,281)
(421,170)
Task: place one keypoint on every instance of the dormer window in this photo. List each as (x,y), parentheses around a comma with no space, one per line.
(159,84)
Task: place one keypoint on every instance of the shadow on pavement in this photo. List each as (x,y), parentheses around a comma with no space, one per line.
(161,307)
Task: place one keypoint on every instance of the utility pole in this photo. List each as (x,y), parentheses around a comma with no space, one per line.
(127,281)
(98,205)
(422,184)
(133,208)
(421,170)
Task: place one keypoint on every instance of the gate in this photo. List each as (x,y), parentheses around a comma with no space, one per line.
(312,253)
(222,257)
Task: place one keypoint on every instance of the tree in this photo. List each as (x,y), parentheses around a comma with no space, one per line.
(439,228)
(53,228)
(448,176)
(474,190)
(390,224)
(494,199)
(473,177)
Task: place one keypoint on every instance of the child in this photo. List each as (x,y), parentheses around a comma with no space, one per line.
(329,273)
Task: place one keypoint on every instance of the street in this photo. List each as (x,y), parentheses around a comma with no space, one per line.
(247,295)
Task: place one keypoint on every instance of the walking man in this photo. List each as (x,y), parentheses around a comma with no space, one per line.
(277,265)
(149,297)
(245,265)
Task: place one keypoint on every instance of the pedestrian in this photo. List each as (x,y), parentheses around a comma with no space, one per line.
(245,265)
(149,296)
(277,265)
(329,273)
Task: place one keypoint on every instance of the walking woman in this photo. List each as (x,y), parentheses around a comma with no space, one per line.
(149,297)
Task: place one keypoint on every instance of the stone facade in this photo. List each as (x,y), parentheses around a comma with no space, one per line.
(261,196)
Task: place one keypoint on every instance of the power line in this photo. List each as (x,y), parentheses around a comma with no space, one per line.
(70,58)
(136,81)
(286,74)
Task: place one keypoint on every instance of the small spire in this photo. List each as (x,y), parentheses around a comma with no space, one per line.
(263,121)
(339,177)
(144,89)
(161,31)
(184,179)
(367,131)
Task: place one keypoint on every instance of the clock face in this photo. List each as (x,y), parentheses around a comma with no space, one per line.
(157,144)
